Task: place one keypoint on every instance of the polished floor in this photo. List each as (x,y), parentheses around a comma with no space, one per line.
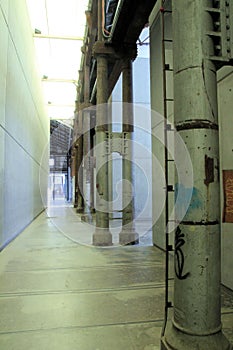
(59,292)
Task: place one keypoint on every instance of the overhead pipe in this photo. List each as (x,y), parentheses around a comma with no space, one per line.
(115,19)
(93,93)
(44,36)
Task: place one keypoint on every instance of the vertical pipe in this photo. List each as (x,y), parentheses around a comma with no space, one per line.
(128,234)
(197,315)
(54,179)
(68,182)
(100,18)
(102,236)
(165,117)
(86,84)
(75,178)
(78,155)
(67,179)
(92,185)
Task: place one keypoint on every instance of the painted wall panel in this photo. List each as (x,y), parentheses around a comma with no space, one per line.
(2,166)
(3,66)
(4,4)
(225,97)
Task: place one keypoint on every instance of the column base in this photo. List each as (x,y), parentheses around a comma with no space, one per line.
(102,238)
(177,340)
(79,210)
(87,218)
(128,237)
(89,209)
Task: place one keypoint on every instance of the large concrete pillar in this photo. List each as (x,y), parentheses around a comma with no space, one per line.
(86,165)
(128,234)
(196,320)
(102,235)
(92,184)
(78,144)
(87,145)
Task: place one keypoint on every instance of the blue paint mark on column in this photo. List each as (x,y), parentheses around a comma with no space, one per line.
(186,200)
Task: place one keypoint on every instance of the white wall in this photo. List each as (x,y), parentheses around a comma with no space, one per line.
(24,126)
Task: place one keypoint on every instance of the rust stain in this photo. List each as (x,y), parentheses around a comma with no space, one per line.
(209,170)
(196,124)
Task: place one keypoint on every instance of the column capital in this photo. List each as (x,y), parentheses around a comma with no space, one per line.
(129,53)
(101,49)
(126,63)
(85,105)
(122,52)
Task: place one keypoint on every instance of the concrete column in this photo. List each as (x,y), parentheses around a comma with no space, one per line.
(79,203)
(196,320)
(92,185)
(102,236)
(128,234)
(88,142)
(110,163)
(86,145)
(86,168)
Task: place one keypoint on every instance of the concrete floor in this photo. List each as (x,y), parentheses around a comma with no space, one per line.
(56,293)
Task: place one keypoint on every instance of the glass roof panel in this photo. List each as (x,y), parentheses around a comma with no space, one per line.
(58,27)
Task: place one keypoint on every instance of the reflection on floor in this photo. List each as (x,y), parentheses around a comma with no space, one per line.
(59,292)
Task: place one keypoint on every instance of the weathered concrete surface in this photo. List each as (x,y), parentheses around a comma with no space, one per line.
(55,293)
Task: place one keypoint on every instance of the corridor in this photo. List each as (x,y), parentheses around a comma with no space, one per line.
(59,294)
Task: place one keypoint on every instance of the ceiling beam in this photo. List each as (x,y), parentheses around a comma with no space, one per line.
(44,36)
(59,80)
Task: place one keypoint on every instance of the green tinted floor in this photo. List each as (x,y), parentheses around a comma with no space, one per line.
(56,293)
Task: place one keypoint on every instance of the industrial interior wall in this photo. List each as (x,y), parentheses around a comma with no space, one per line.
(24,126)
(225,104)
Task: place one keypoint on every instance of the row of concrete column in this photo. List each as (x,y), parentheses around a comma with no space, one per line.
(102,235)
(196,321)
(128,234)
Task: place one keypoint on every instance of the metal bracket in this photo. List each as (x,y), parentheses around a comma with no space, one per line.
(170,248)
(170,188)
